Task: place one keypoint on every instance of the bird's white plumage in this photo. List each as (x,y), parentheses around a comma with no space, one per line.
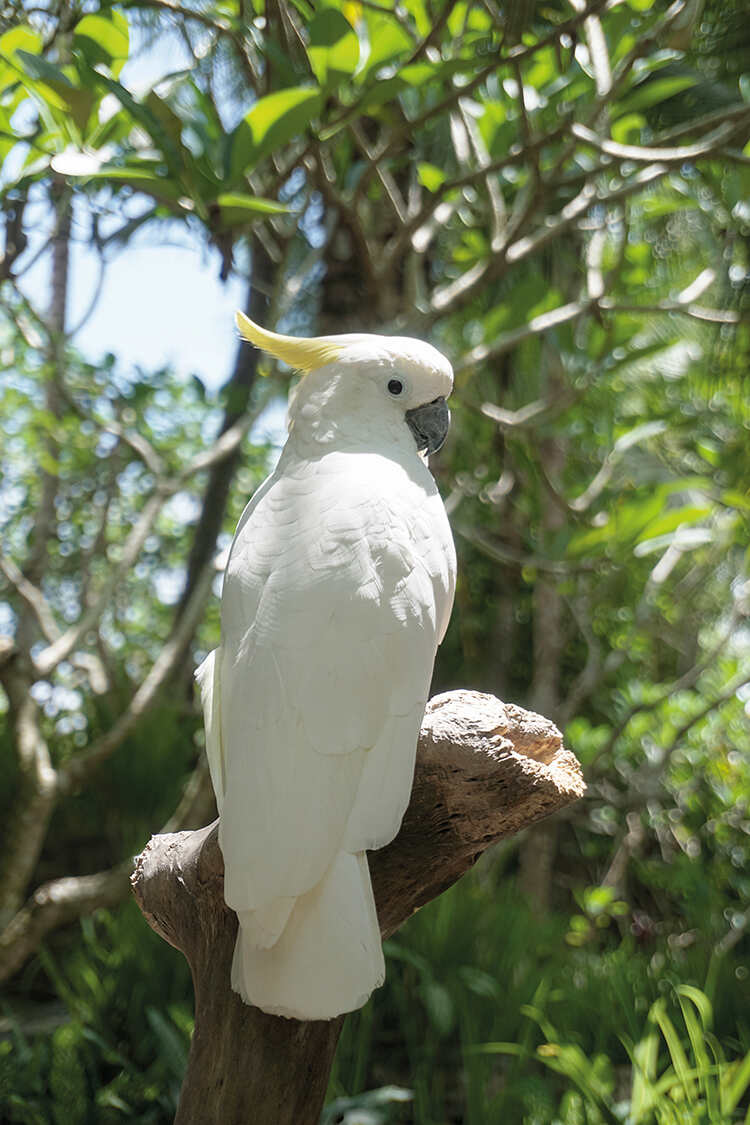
(337,592)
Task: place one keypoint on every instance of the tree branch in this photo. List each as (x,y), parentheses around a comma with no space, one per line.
(53,905)
(51,656)
(36,792)
(83,765)
(510,340)
(33,597)
(484,771)
(644,154)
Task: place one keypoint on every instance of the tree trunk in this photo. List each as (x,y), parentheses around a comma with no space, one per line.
(484,771)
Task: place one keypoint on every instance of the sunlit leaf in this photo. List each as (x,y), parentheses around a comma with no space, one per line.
(430,177)
(333,48)
(654,91)
(238,210)
(54,85)
(174,153)
(272,122)
(627,129)
(388,39)
(103,39)
(672,520)
(141,178)
(18,38)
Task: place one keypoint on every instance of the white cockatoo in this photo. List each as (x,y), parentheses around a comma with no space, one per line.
(337,592)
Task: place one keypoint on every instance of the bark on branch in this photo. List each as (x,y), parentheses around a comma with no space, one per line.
(485,770)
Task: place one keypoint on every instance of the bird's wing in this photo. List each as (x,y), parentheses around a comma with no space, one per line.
(329,630)
(208,682)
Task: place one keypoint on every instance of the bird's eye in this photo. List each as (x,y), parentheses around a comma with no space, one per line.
(395,386)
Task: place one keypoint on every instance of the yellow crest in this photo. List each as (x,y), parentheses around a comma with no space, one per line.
(302,354)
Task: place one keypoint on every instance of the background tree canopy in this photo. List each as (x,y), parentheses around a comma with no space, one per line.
(557,195)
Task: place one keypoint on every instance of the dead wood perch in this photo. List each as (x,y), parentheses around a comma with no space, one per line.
(485,770)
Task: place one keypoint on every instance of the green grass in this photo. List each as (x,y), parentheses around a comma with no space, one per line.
(491,1015)
(488,1015)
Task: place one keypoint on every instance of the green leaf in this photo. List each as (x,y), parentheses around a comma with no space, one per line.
(166,116)
(160,188)
(497,1049)
(645,1055)
(666,202)
(658,1015)
(381,93)
(40,70)
(734,499)
(627,129)
(654,91)
(238,210)
(439,1006)
(671,521)
(175,154)
(388,39)
(55,87)
(103,39)
(543,69)
(273,120)
(491,124)
(418,74)
(736,1086)
(19,38)
(430,176)
(173,1047)
(422,18)
(333,49)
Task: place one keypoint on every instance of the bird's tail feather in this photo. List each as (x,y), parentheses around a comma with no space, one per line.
(328,958)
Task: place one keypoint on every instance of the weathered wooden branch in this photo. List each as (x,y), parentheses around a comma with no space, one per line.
(485,770)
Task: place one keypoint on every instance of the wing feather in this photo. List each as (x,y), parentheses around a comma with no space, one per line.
(336,591)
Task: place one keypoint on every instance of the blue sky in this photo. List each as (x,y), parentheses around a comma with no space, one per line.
(161,302)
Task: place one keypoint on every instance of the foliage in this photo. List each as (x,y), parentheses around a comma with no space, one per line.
(557,195)
(121,1053)
(696,1085)
(469,1020)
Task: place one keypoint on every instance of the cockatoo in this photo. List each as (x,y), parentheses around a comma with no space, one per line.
(337,592)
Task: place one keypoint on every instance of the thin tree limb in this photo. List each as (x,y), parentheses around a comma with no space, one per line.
(60,649)
(645,154)
(33,597)
(79,768)
(56,904)
(36,792)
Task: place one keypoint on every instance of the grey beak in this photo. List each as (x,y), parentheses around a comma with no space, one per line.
(429,424)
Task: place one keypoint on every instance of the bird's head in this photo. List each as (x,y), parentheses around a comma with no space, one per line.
(397,378)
